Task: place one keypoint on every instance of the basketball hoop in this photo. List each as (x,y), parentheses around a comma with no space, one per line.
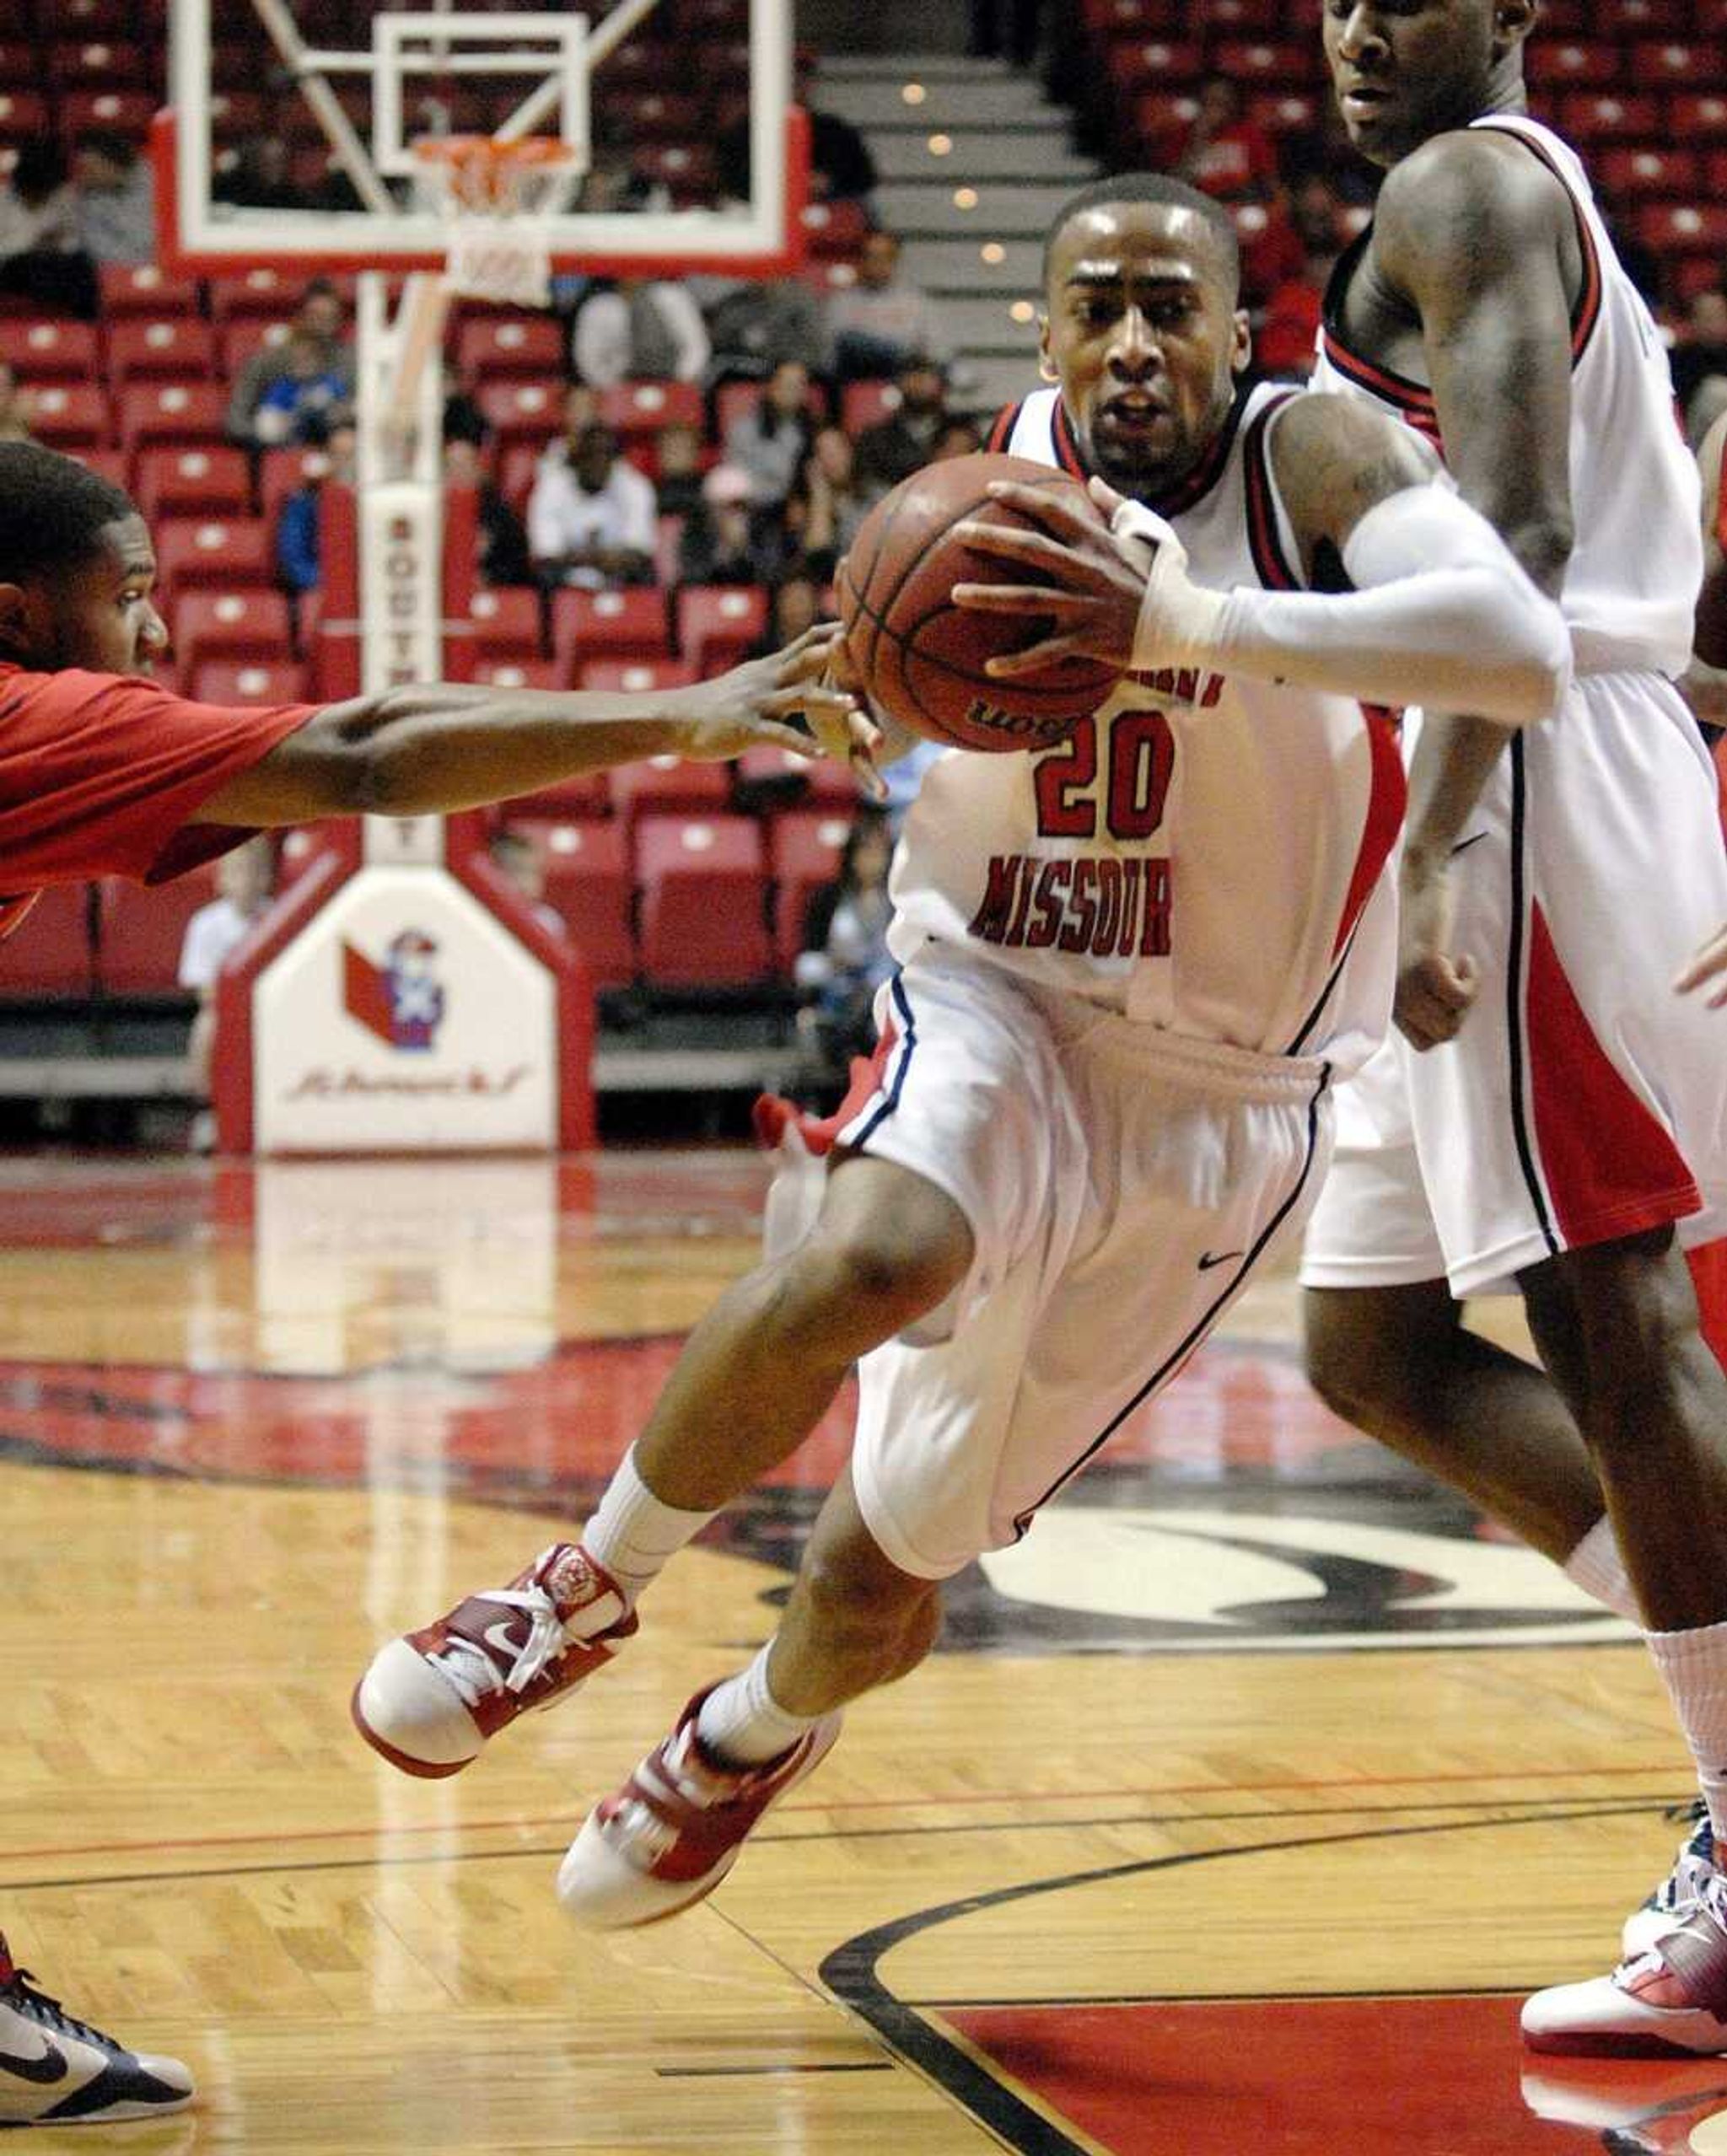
(493,193)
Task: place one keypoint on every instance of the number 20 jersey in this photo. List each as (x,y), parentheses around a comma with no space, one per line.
(1204,854)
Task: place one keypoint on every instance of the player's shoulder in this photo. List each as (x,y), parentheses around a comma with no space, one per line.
(1468,178)
(1333,457)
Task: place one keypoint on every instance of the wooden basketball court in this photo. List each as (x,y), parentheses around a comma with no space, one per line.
(1236,1812)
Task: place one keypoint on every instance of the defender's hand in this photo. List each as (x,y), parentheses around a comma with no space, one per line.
(755,706)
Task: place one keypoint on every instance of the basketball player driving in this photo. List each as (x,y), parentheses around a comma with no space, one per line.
(1553,1118)
(1131,968)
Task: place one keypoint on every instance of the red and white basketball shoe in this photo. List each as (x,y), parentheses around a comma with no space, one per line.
(1669,2000)
(57,2071)
(668,1837)
(431,1699)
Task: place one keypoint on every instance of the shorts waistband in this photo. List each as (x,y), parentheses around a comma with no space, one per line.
(1210,1067)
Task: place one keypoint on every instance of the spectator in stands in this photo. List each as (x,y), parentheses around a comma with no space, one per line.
(16,408)
(117,199)
(722,541)
(752,328)
(845,957)
(771,440)
(881,319)
(905,441)
(841,166)
(502,543)
(677,461)
(319,328)
(580,410)
(260,176)
(42,257)
(1220,150)
(638,330)
(835,500)
(591,516)
(1700,350)
(297,527)
(310,393)
(796,596)
(243,881)
(516,858)
(1284,338)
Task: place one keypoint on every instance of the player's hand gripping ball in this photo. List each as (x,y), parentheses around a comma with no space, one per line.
(920,658)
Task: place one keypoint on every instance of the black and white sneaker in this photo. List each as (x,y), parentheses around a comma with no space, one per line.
(57,2071)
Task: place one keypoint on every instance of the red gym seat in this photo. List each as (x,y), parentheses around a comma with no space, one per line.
(50,953)
(229,681)
(804,850)
(141,289)
(517,674)
(718,623)
(521,412)
(491,346)
(71,416)
(663,786)
(638,409)
(589,625)
(168,348)
(235,624)
(178,482)
(154,412)
(704,906)
(587,866)
(232,553)
(143,931)
(634,676)
(51,351)
(507,623)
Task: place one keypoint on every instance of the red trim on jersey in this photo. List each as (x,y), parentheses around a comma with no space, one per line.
(1265,541)
(1066,449)
(1586,310)
(1610,1168)
(1721,499)
(1708,1276)
(1005,421)
(1387,795)
(104,775)
(1415,403)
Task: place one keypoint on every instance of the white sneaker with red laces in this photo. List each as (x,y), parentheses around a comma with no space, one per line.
(56,2070)
(668,1837)
(1669,2000)
(430,1700)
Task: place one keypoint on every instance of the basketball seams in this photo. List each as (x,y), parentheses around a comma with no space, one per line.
(892,654)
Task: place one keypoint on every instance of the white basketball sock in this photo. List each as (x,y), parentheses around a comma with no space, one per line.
(1693,1666)
(1596,1567)
(743,1725)
(632,1533)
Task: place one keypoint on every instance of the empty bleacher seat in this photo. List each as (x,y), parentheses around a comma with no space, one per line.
(805,849)
(1592,116)
(142,931)
(249,681)
(1660,63)
(506,624)
(173,347)
(235,624)
(516,674)
(521,412)
(634,677)
(149,413)
(718,623)
(492,346)
(219,552)
(1647,174)
(51,351)
(628,624)
(50,953)
(71,415)
(588,881)
(638,409)
(702,909)
(141,289)
(214,481)
(660,785)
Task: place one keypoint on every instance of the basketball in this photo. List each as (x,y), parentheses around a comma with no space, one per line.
(921,658)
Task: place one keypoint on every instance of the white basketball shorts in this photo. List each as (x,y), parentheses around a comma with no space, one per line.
(1582,1100)
(1121,1185)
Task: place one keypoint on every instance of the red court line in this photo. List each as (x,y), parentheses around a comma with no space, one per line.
(530,1824)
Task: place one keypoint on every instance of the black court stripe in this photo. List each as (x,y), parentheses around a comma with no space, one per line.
(908,1042)
(1200,1325)
(1515,1004)
(851,1972)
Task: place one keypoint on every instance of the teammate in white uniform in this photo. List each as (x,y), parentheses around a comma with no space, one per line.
(1554,1116)
(1131,966)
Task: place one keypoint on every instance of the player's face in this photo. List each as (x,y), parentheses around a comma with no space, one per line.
(1144,336)
(104,613)
(1403,71)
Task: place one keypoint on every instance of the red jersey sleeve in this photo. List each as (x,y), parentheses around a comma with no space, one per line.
(103,774)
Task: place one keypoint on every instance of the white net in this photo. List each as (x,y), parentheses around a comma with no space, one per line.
(494,195)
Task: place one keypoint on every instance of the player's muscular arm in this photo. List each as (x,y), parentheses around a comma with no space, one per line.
(1480,241)
(427,750)
(1707,683)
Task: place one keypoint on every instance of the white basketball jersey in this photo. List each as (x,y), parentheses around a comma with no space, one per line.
(1637,560)
(1204,854)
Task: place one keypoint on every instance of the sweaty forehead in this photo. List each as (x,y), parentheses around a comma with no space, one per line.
(1122,242)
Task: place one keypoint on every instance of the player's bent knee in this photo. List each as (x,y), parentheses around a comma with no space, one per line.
(896,1245)
(1374,1355)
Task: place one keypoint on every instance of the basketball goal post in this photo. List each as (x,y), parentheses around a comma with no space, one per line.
(402,996)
